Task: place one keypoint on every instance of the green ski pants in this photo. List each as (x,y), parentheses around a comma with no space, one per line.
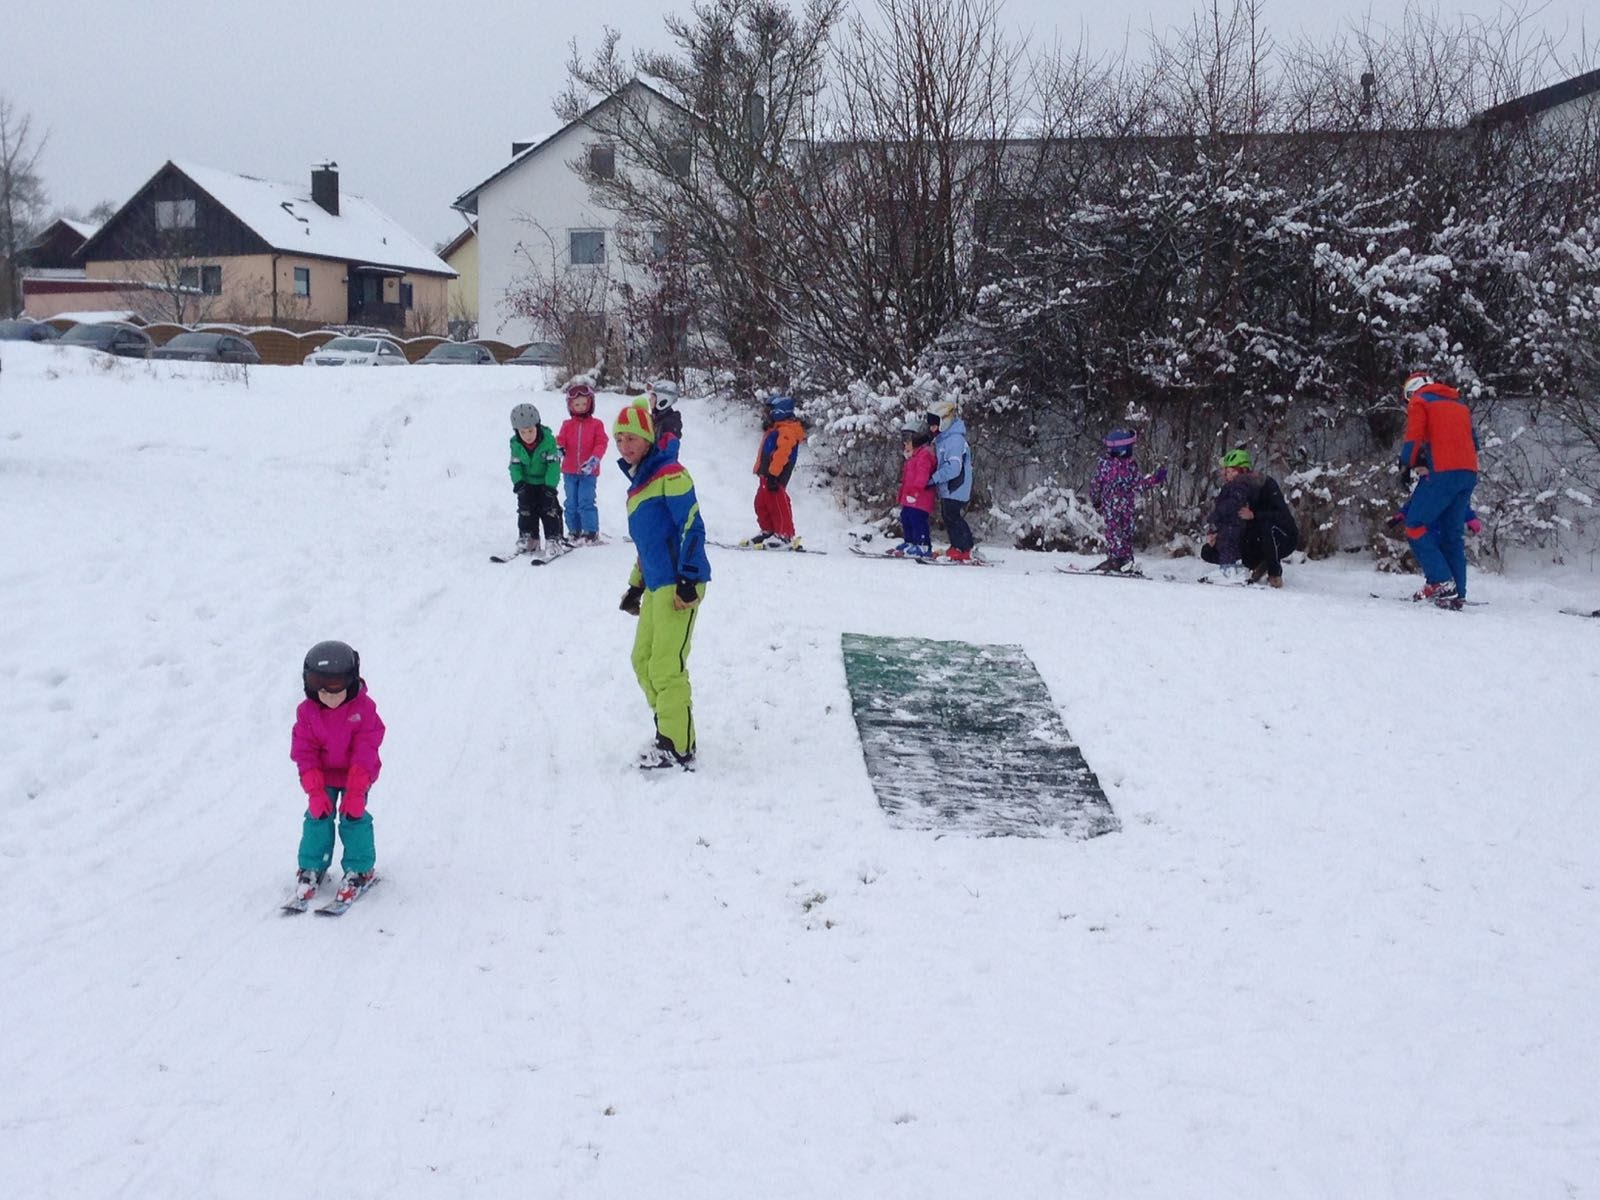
(661,661)
(316,840)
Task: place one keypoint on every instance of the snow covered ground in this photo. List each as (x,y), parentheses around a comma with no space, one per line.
(1344,946)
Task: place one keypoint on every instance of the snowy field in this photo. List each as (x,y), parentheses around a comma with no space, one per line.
(1345,944)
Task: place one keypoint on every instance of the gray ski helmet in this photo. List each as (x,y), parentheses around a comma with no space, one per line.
(524,416)
(329,664)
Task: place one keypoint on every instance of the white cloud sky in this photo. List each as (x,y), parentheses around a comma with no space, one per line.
(414,99)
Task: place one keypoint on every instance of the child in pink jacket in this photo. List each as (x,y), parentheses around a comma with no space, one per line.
(337,732)
(583,444)
(916,493)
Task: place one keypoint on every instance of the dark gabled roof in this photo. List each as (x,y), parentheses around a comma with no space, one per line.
(467,201)
(283,217)
(1534,103)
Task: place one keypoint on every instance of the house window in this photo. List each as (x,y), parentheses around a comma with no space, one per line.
(603,162)
(302,281)
(405,295)
(587,247)
(206,280)
(174,214)
(660,244)
(679,160)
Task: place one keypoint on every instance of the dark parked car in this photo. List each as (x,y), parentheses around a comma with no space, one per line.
(111,336)
(23,329)
(457,354)
(538,354)
(209,347)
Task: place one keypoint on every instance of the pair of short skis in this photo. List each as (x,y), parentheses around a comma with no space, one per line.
(333,908)
(538,558)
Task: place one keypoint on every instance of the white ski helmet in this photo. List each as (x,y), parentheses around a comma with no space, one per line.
(524,416)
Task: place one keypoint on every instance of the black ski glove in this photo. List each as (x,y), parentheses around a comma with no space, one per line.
(771,482)
(630,600)
(687,596)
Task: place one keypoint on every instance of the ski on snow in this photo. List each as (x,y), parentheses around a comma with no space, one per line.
(790,549)
(535,560)
(1453,603)
(337,907)
(1114,574)
(333,908)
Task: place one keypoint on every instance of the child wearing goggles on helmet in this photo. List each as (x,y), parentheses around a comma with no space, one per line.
(664,412)
(583,443)
(781,435)
(1116,485)
(337,733)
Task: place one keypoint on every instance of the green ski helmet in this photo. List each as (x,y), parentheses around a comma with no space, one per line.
(1239,459)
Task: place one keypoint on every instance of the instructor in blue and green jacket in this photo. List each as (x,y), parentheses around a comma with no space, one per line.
(668,582)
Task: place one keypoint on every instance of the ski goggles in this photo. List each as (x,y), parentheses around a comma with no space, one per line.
(327,683)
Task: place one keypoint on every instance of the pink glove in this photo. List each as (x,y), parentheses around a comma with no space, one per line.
(317,802)
(1474,526)
(355,793)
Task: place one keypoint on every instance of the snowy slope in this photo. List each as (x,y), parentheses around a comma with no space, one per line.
(1344,945)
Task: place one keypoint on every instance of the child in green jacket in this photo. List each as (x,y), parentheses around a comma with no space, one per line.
(535,476)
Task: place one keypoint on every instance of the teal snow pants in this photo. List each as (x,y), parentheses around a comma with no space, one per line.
(316,840)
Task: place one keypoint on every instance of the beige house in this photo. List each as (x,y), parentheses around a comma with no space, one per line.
(462,257)
(198,244)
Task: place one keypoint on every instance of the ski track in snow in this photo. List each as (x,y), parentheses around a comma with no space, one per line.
(1343,945)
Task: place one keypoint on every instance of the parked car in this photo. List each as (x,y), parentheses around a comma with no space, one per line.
(357,352)
(25,329)
(113,337)
(538,354)
(457,354)
(209,347)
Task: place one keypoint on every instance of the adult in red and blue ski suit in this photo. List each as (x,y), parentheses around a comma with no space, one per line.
(1441,446)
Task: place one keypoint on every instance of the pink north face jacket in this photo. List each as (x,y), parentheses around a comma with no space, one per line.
(332,740)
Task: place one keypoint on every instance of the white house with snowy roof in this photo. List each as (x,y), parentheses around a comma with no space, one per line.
(263,252)
(538,223)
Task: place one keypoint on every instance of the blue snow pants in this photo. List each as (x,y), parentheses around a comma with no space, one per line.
(582,514)
(1436,517)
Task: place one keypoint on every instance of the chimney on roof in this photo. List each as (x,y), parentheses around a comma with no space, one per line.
(325,187)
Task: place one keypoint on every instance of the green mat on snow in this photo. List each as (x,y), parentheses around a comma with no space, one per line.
(962,738)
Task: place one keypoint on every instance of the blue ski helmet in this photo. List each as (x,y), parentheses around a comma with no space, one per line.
(781,407)
(1119,442)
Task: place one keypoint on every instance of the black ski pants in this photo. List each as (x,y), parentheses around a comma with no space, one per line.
(1263,545)
(955,523)
(537,505)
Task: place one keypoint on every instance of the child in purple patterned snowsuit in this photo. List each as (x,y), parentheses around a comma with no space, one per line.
(1116,484)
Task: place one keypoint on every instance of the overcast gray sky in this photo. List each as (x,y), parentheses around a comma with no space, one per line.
(417,100)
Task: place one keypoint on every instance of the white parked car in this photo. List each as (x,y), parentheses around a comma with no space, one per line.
(357,352)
